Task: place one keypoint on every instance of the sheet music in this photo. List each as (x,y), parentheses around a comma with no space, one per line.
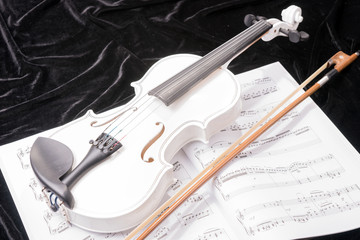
(296,180)
(299,179)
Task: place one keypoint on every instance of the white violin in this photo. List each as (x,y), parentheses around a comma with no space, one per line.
(126,172)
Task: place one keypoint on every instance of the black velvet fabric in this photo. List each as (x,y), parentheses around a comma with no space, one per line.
(60,58)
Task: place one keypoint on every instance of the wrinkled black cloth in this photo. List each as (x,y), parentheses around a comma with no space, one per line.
(59,59)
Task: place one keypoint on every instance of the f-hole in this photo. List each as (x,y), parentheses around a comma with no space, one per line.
(151,142)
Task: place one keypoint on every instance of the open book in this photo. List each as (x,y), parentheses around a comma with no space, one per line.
(299,179)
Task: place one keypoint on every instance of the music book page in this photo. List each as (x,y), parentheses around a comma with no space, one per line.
(297,180)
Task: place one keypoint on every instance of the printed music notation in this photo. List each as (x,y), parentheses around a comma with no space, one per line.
(258,82)
(240,179)
(37,190)
(300,209)
(182,177)
(112,236)
(104,236)
(258,87)
(213,234)
(55,222)
(248,120)
(282,142)
(22,154)
(161,233)
(89,238)
(194,208)
(191,212)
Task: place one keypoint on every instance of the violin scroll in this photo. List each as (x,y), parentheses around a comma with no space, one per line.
(291,18)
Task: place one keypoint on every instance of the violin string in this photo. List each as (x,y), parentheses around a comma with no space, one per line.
(128,120)
(131,121)
(228,50)
(119,116)
(224,50)
(114,119)
(220,56)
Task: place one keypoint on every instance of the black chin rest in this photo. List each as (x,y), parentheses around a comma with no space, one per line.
(50,161)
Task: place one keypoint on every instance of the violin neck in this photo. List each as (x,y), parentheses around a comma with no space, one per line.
(179,84)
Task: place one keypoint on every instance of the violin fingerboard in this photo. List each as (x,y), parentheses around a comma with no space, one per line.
(170,90)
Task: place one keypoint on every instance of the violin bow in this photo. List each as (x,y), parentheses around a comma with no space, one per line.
(340,61)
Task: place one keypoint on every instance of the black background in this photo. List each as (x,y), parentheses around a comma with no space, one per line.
(59,59)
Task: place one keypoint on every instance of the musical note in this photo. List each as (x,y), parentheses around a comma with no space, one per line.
(22,154)
(55,222)
(37,189)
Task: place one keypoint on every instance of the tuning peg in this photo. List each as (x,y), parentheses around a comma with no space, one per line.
(304,36)
(250,19)
(295,36)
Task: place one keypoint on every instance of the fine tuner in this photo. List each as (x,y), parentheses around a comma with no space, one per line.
(124,176)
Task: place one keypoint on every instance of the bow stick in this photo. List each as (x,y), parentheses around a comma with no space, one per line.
(341,61)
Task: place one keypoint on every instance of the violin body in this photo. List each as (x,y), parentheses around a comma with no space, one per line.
(121,191)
